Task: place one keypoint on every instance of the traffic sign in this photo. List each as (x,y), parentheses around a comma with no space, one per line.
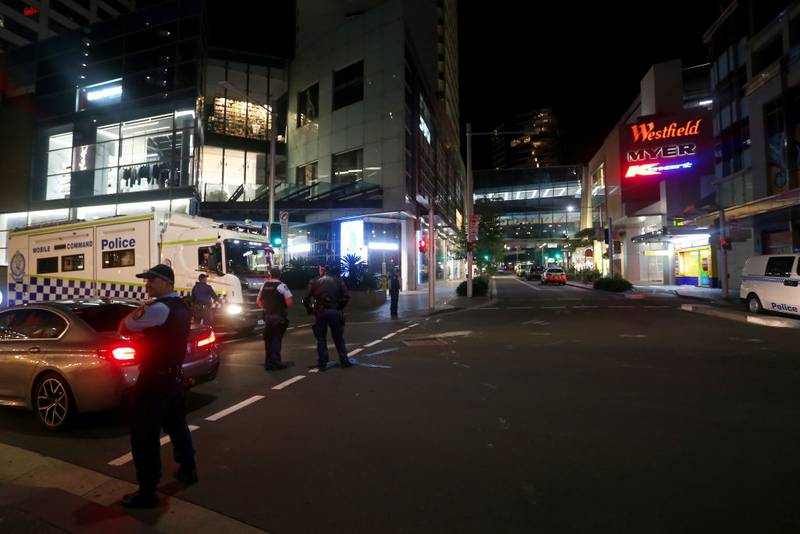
(474,220)
(284,217)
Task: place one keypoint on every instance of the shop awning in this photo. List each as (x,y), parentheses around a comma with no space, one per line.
(780,201)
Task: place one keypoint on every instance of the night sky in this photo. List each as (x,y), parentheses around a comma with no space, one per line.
(583,59)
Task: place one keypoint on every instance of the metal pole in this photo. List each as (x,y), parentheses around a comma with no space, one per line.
(469,208)
(431,259)
(272,147)
(724,269)
(610,250)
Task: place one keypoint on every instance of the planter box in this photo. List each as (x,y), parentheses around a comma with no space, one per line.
(366,300)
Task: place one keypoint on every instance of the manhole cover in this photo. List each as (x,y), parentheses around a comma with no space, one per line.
(424,342)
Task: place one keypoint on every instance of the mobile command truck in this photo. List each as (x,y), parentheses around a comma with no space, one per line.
(101,258)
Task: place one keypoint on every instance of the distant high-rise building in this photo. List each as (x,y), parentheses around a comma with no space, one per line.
(540,147)
(25,22)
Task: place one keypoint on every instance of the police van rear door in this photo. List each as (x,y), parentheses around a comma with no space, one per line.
(782,289)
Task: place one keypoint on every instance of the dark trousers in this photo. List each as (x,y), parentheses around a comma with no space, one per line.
(202,312)
(274,328)
(394,294)
(335,320)
(158,403)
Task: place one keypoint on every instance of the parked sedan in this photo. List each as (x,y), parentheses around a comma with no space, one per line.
(61,358)
(535,273)
(554,275)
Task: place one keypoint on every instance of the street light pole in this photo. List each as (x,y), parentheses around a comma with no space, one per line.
(469,208)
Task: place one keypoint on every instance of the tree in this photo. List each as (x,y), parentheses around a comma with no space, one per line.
(489,248)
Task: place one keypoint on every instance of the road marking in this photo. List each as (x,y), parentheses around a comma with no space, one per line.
(304,325)
(387,336)
(288,383)
(402,330)
(313,370)
(125,458)
(583,307)
(553,307)
(657,306)
(374,343)
(620,306)
(354,352)
(413,325)
(537,322)
(219,415)
(482,308)
(633,335)
(520,307)
(534,288)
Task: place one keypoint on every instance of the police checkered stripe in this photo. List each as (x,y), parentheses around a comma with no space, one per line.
(42,289)
(121,291)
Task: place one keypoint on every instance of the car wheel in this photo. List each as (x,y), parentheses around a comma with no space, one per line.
(754,304)
(52,401)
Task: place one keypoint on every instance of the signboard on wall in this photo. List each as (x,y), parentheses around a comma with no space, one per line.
(664,147)
(352,239)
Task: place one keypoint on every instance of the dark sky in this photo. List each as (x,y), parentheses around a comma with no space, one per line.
(583,59)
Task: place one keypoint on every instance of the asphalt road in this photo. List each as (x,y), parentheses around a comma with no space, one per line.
(547,409)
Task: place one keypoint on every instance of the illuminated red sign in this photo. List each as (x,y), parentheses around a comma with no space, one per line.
(30,11)
(647,131)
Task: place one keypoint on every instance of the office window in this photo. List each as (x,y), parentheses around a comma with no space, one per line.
(307,174)
(348,167)
(348,85)
(47,265)
(308,105)
(72,263)
(119,258)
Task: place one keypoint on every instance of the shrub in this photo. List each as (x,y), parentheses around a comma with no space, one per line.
(617,284)
(480,287)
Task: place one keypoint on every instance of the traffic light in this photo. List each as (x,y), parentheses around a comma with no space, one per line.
(423,246)
(726,243)
(275,238)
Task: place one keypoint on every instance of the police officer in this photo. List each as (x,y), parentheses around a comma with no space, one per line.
(394,292)
(274,300)
(203,297)
(326,298)
(160,328)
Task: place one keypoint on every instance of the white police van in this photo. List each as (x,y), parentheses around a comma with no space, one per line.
(101,258)
(772,283)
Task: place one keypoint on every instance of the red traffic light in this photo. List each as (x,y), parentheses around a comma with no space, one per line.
(423,246)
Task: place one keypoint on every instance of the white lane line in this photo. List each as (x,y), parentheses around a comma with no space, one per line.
(219,415)
(633,335)
(583,307)
(354,352)
(413,325)
(304,325)
(553,307)
(313,370)
(374,343)
(125,458)
(520,307)
(288,383)
(620,306)
(495,308)
(402,330)
(527,285)
(387,336)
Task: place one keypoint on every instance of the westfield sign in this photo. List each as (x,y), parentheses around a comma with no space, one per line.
(646,132)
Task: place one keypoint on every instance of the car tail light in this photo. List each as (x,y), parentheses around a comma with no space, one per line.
(207,341)
(121,355)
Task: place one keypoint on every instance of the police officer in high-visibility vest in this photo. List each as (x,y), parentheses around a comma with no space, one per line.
(160,330)
(274,299)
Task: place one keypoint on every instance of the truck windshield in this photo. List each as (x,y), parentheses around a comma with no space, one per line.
(247,257)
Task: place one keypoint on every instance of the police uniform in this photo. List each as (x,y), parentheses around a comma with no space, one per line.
(273,296)
(326,298)
(158,396)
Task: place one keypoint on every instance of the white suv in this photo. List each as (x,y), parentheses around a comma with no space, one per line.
(772,283)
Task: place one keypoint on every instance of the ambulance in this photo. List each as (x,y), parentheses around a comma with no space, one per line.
(772,283)
(101,258)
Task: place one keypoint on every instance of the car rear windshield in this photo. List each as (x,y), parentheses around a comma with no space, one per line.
(555,271)
(104,317)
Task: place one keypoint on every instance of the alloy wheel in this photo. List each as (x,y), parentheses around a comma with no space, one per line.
(52,402)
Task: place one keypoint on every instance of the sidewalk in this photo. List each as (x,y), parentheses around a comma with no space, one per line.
(415,303)
(702,293)
(43,495)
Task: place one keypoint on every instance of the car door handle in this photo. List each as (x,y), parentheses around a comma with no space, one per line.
(790,283)
(35,349)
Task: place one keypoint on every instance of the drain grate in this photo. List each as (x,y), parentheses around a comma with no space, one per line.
(424,342)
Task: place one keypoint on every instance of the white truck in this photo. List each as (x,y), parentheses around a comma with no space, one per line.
(101,258)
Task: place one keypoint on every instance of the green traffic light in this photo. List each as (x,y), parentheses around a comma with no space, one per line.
(486,258)
(277,241)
